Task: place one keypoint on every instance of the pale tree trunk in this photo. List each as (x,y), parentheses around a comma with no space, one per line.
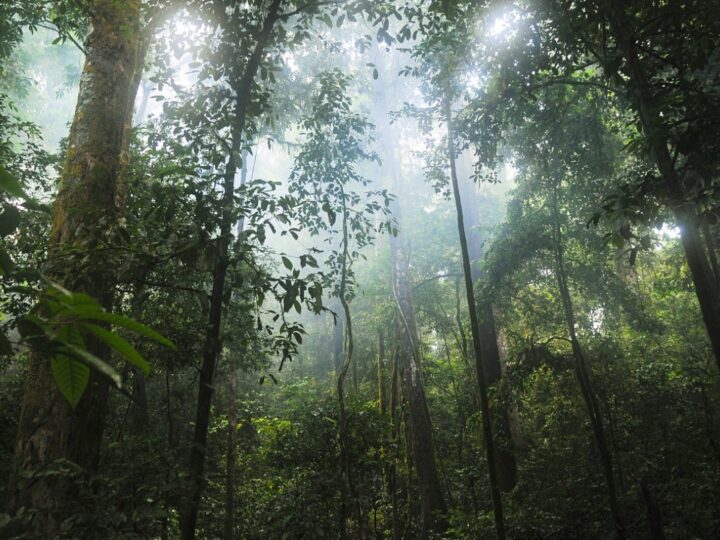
(381,391)
(87,205)
(419,445)
(432,501)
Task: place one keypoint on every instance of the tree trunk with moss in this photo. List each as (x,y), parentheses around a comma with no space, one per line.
(83,234)
(623,28)
(505,455)
(478,351)
(432,501)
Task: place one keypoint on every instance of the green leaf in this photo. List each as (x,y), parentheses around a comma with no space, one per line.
(32,204)
(81,355)
(10,184)
(71,376)
(9,220)
(6,263)
(132,325)
(120,345)
(287,263)
(5,347)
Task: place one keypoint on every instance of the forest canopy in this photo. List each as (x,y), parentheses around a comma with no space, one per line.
(359,269)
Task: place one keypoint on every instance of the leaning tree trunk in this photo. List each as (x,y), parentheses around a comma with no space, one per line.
(475,331)
(87,204)
(432,500)
(583,375)
(706,287)
(212,346)
(505,455)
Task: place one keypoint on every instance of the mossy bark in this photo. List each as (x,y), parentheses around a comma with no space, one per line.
(86,208)
(432,501)
(492,364)
(654,129)
(478,351)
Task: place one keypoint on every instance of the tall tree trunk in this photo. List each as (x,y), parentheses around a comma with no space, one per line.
(583,375)
(140,412)
(712,254)
(338,337)
(347,484)
(381,391)
(460,325)
(475,331)
(654,516)
(431,497)
(212,346)
(230,462)
(706,287)
(87,205)
(505,456)
(394,417)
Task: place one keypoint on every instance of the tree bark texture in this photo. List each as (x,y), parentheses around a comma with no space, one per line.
(432,501)
(88,202)
(476,337)
(706,286)
(505,455)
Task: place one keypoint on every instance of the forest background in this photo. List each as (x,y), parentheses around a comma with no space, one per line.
(359,269)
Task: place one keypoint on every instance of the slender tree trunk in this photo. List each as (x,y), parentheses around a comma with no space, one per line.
(583,376)
(431,497)
(476,337)
(394,404)
(345,465)
(87,205)
(230,463)
(170,445)
(505,456)
(338,338)
(212,347)
(140,412)
(654,516)
(381,456)
(382,394)
(706,287)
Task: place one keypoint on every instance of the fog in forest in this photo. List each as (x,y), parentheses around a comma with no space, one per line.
(278,269)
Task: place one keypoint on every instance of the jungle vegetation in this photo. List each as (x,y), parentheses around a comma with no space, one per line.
(359,269)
